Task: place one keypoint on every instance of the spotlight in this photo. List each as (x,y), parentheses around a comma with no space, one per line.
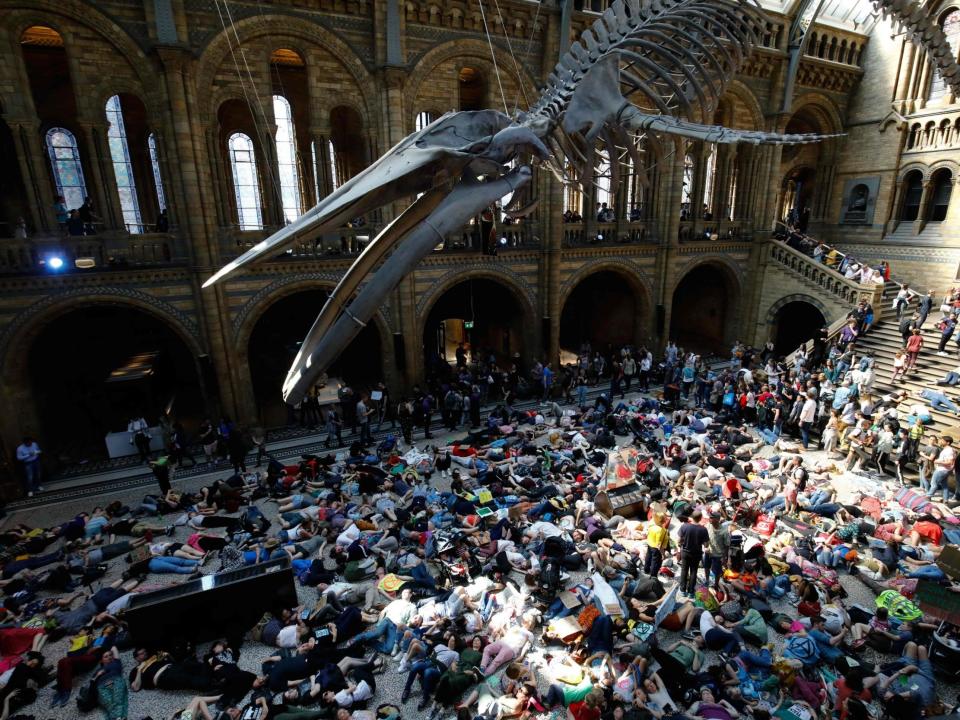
(503,241)
(599,237)
(55,262)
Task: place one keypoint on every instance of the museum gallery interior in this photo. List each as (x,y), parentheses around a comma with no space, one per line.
(438,343)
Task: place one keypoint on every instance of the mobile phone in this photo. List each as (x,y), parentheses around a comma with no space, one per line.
(321,633)
(304,614)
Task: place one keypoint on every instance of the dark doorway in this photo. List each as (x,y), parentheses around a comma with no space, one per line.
(912,194)
(702,310)
(601,310)
(481,314)
(795,323)
(71,360)
(276,339)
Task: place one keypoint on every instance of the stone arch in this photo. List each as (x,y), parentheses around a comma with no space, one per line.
(519,288)
(745,95)
(733,271)
(798,297)
(246,318)
(461,49)
(51,12)
(952,165)
(636,276)
(914,166)
(708,318)
(279,29)
(108,87)
(28,324)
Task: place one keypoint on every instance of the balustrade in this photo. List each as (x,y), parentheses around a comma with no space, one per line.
(105,251)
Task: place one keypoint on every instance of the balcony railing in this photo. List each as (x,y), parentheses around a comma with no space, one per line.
(618,233)
(714,231)
(106,251)
(827,279)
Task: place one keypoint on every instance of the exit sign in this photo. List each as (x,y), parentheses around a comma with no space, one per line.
(468,324)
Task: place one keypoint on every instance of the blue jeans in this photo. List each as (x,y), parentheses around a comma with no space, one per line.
(762,660)
(777,587)
(824,509)
(558,610)
(581,395)
(927,572)
(183,566)
(717,639)
(818,498)
(428,673)
(774,503)
(31,471)
(940,481)
(384,631)
(938,401)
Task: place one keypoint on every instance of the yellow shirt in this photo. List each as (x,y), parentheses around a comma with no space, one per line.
(657,536)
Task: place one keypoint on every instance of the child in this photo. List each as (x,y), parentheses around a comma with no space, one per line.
(877,628)
(899,365)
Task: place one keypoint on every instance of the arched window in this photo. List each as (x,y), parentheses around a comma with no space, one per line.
(287,159)
(423,119)
(246,185)
(709,180)
(122,167)
(335,173)
(602,179)
(942,183)
(155,166)
(686,194)
(950,21)
(912,192)
(66,167)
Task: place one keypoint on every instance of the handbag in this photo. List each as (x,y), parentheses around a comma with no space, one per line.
(87,700)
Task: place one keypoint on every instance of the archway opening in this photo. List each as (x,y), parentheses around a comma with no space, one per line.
(912,194)
(473,89)
(132,363)
(349,144)
(795,323)
(942,188)
(481,315)
(603,311)
(704,309)
(797,194)
(276,339)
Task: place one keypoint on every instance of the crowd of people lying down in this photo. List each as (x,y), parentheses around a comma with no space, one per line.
(687,554)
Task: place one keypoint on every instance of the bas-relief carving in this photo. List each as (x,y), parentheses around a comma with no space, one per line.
(614,84)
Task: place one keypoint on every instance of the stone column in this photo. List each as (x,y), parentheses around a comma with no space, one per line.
(321,150)
(551,224)
(223,198)
(34,169)
(101,185)
(925,200)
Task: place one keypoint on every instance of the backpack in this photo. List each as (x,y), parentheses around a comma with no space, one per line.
(898,606)
(358,570)
(802,648)
(87,699)
(231,558)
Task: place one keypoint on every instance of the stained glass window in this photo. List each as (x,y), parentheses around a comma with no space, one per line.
(67,170)
(246,186)
(157,177)
(287,159)
(122,167)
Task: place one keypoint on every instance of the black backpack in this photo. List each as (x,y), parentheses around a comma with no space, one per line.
(87,700)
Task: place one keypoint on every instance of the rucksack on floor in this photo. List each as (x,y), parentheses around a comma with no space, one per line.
(358,570)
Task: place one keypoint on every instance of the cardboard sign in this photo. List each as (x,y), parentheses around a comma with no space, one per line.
(938,601)
(949,561)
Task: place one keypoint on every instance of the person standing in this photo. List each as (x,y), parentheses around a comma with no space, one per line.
(926,304)
(914,345)
(28,453)
(547,379)
(693,538)
(363,418)
(161,471)
(237,448)
(63,215)
(179,447)
(946,326)
(808,415)
(140,436)
(629,371)
(405,415)
(334,427)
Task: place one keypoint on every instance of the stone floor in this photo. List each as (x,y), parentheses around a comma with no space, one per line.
(159,705)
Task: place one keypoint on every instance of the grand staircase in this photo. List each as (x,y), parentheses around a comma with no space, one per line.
(883,340)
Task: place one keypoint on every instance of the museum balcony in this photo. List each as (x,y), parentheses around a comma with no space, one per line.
(624,232)
(104,250)
(697,231)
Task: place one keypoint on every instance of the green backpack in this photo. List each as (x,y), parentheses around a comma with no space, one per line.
(358,570)
(898,607)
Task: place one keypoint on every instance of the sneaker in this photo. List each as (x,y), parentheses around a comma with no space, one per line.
(404,666)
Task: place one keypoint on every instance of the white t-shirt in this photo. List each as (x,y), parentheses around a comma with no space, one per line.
(706,622)
(362,692)
(946,457)
(348,536)
(287,637)
(400,611)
